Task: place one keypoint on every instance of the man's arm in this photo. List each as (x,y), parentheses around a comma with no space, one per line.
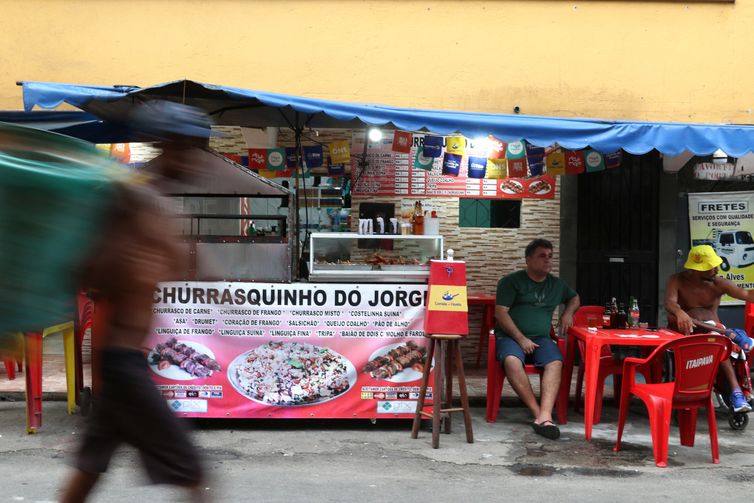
(733,290)
(673,308)
(566,319)
(505,322)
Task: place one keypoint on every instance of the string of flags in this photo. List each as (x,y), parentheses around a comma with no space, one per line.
(492,158)
(485,158)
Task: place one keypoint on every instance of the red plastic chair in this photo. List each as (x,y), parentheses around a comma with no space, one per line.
(496,374)
(749,318)
(13,359)
(697,358)
(608,365)
(84,321)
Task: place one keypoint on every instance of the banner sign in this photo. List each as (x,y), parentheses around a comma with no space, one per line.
(299,350)
(713,171)
(725,221)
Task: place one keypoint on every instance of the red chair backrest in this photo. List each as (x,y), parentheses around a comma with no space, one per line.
(583,313)
(697,358)
(86,311)
(749,318)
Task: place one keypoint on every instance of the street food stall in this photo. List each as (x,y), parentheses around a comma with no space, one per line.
(255,339)
(239,337)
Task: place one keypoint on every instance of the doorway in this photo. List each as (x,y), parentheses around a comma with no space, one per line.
(617,236)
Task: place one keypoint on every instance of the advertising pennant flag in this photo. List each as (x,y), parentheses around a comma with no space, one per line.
(536,168)
(515,150)
(497,148)
(336,169)
(402,141)
(517,167)
(594,161)
(614,159)
(497,168)
(455,145)
(574,160)
(290,157)
(340,152)
(451,164)
(423,162)
(433,146)
(477,167)
(257,158)
(313,156)
(534,154)
(234,157)
(275,159)
(555,162)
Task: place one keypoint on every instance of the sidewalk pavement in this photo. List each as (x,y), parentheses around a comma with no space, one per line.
(347,460)
(352,460)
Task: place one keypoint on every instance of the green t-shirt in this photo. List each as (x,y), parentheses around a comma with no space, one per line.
(531,304)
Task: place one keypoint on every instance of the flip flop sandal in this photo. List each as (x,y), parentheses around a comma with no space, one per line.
(547,430)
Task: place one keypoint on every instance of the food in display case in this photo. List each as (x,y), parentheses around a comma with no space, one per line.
(339,256)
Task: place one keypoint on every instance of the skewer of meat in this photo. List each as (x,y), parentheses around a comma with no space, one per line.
(190,352)
(183,360)
(400,363)
(391,355)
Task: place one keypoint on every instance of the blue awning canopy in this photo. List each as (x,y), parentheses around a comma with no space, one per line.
(248,108)
(82,125)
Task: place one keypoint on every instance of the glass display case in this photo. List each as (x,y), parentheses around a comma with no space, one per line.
(349,257)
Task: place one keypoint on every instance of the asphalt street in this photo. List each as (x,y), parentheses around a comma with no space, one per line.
(359,461)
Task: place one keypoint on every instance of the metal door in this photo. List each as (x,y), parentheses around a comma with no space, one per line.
(617,234)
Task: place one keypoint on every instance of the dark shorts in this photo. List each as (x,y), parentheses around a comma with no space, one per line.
(130,409)
(547,351)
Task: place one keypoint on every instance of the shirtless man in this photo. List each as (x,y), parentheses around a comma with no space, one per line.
(696,292)
(136,252)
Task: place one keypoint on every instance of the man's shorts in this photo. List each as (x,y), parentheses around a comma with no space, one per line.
(547,351)
(131,410)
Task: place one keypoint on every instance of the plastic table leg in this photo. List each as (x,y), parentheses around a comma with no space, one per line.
(69,345)
(33,359)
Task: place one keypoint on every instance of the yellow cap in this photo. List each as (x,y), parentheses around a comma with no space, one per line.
(702,258)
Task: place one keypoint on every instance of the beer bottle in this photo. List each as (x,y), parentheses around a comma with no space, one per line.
(606,323)
(613,314)
(633,313)
(622,318)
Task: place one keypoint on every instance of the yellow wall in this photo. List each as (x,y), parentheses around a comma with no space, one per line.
(650,60)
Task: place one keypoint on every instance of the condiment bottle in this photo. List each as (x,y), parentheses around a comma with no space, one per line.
(417,219)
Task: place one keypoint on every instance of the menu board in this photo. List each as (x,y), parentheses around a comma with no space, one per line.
(388,173)
(299,350)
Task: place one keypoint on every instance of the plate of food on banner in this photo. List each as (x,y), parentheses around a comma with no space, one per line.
(540,187)
(398,363)
(285,374)
(511,187)
(182,360)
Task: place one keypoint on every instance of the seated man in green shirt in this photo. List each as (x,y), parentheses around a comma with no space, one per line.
(523,312)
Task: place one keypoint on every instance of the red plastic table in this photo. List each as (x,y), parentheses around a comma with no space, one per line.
(593,340)
(488,318)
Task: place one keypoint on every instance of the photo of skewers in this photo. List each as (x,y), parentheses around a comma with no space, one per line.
(182,360)
(401,362)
